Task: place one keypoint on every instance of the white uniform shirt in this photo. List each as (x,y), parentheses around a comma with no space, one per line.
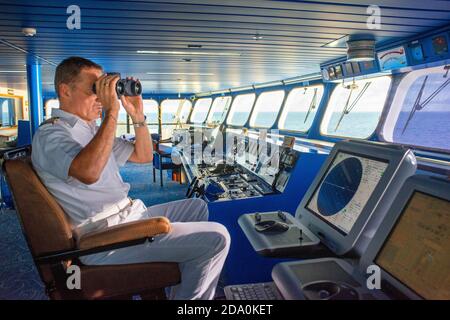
(54,147)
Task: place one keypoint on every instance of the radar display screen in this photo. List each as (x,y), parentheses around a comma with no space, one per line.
(345,189)
(417,252)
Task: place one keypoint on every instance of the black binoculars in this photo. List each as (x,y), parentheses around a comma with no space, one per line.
(125,87)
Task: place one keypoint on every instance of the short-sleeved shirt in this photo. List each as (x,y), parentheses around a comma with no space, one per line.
(54,147)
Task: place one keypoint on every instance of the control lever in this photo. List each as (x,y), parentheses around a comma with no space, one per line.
(281,215)
(192,187)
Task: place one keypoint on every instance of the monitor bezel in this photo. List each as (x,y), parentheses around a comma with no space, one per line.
(338,242)
(428,185)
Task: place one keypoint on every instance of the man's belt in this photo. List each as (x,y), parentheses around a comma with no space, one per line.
(116,208)
(99,220)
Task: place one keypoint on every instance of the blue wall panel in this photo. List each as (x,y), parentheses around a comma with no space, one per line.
(243,264)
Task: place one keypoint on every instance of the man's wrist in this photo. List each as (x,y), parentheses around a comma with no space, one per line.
(138,118)
(112,114)
(139,124)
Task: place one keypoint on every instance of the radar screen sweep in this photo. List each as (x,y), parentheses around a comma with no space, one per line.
(417,252)
(345,189)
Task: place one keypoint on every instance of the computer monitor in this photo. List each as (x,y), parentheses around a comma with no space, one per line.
(345,189)
(412,246)
(352,192)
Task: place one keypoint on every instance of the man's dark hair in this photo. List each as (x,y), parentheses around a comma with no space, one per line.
(69,69)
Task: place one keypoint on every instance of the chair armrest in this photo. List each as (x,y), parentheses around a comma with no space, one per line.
(116,237)
(125,232)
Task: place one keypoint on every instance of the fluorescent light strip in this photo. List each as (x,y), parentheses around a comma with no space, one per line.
(180,74)
(13,71)
(193,53)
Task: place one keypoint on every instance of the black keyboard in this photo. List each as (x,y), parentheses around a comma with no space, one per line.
(254,291)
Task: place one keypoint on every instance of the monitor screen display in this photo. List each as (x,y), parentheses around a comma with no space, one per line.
(417,252)
(345,189)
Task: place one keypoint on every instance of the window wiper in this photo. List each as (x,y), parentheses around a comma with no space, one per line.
(417,106)
(348,108)
(312,105)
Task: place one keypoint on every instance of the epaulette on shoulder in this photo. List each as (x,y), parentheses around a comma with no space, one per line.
(52,120)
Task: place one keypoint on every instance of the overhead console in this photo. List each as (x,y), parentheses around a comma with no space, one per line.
(342,207)
(412,53)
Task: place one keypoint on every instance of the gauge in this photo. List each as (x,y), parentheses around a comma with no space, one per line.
(417,51)
(440,45)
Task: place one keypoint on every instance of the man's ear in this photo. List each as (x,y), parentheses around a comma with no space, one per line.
(64,90)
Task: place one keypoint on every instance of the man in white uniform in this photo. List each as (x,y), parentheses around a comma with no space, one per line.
(79,164)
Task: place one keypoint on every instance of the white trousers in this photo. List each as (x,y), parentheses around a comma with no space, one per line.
(200,247)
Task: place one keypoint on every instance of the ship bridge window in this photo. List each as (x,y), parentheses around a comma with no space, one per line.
(150,111)
(49,105)
(174,111)
(354,109)
(219,109)
(266,109)
(300,108)
(200,110)
(420,113)
(240,109)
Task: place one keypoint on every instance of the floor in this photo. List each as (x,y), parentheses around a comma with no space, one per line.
(18,276)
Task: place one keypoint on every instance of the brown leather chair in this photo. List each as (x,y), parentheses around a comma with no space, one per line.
(54,246)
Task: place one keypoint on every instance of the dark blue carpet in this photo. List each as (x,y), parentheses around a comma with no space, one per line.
(19,278)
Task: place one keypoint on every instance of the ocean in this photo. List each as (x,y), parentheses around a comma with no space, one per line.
(427,128)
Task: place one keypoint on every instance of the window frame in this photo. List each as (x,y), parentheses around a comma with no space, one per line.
(230,112)
(211,111)
(380,120)
(396,106)
(176,113)
(190,121)
(157,111)
(250,120)
(283,108)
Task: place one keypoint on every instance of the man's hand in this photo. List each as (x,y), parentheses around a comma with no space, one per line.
(106,93)
(134,106)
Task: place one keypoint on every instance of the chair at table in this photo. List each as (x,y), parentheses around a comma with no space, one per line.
(162,158)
